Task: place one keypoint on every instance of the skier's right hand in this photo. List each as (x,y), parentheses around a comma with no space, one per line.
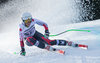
(22,52)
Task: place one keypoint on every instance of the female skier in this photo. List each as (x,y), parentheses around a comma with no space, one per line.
(32,37)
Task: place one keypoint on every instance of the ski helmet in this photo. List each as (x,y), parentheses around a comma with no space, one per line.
(26,16)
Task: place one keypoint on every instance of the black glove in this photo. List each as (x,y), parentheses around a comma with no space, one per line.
(22,52)
(47,33)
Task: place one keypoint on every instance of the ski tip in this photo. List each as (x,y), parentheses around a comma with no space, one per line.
(83,46)
(61,52)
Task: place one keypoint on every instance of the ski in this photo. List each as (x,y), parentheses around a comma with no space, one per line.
(83,46)
(49,48)
(61,52)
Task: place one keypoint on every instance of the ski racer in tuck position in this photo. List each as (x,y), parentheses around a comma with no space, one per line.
(32,37)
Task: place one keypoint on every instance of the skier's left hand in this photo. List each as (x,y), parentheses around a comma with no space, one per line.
(22,52)
(47,33)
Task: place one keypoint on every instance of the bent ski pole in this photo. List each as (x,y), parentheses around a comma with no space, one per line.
(70,30)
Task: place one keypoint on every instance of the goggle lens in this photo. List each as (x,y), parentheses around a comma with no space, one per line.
(27,21)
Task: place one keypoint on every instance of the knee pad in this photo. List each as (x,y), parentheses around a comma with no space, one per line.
(40,45)
(30,41)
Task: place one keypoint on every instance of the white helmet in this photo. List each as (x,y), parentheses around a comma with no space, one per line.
(26,16)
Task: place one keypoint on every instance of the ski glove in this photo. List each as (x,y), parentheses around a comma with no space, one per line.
(47,33)
(22,52)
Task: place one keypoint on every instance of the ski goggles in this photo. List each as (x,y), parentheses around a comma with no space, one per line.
(27,21)
(25,18)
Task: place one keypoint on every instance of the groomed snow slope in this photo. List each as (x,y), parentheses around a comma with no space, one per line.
(9,43)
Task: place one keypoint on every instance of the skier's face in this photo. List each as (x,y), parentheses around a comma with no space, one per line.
(27,22)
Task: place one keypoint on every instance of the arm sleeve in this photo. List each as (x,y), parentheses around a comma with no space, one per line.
(41,23)
(21,38)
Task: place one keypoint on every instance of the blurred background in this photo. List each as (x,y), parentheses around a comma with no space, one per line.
(53,12)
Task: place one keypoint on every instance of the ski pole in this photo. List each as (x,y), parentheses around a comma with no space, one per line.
(68,31)
(16,52)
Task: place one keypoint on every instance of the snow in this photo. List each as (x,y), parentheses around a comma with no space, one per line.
(10,44)
(9,37)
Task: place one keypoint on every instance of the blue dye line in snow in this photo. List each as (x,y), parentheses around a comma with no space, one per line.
(94,30)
